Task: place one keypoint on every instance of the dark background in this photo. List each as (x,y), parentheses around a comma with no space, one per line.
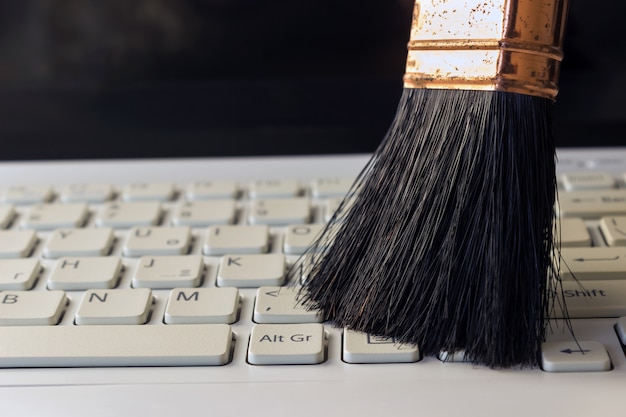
(159,78)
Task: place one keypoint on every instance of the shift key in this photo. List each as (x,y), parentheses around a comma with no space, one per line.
(591,299)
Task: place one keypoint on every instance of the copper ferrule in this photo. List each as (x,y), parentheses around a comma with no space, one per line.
(499,45)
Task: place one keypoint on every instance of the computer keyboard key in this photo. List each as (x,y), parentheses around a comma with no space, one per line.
(117,306)
(588,180)
(17,243)
(457,356)
(204,213)
(87,193)
(31,308)
(148,192)
(281,305)
(592,204)
(48,216)
(333,204)
(79,242)
(591,299)
(168,272)
(287,344)
(595,263)
(247,271)
(570,356)
(18,274)
(7,214)
(83,273)
(142,241)
(274,188)
(620,327)
(280,211)
(31,194)
(115,345)
(236,239)
(202,305)
(330,187)
(203,190)
(614,230)
(361,347)
(572,232)
(129,214)
(299,237)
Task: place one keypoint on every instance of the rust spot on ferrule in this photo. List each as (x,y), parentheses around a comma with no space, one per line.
(504,45)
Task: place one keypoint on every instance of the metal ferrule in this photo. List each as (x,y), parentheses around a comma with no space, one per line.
(499,45)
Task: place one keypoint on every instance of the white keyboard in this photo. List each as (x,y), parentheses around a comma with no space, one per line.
(159,286)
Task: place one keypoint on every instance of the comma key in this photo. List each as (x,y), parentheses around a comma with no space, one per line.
(281,305)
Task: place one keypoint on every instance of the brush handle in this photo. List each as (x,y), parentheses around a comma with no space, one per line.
(504,45)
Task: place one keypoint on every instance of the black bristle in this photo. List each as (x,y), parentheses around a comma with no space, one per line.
(447,242)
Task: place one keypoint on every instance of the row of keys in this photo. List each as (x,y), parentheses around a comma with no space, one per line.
(275,188)
(274,305)
(279,211)
(156,272)
(98,193)
(272,344)
(204,344)
(288,211)
(212,344)
(592,204)
(573,232)
(144,241)
(561,356)
(219,240)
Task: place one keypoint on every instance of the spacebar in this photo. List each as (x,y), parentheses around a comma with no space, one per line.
(123,345)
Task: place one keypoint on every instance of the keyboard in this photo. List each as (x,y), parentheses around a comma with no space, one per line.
(160,286)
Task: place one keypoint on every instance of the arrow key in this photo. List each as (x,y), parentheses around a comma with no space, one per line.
(584,356)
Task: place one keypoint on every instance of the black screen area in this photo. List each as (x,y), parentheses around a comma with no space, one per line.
(190,78)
